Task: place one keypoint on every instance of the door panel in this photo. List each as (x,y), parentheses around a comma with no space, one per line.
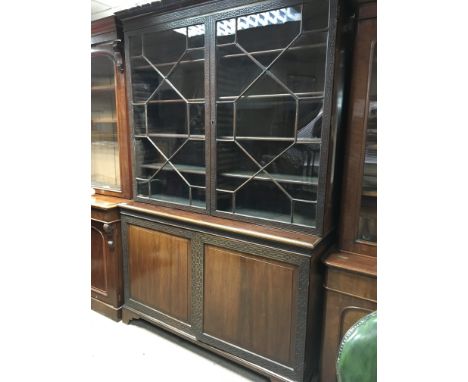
(98,262)
(160,271)
(249,301)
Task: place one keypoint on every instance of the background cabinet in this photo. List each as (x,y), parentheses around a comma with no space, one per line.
(351,275)
(110,152)
(110,165)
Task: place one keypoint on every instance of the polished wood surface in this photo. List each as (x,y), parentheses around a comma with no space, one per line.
(160,271)
(366,36)
(106,262)
(106,310)
(98,261)
(250,302)
(368,11)
(353,262)
(248,229)
(105,202)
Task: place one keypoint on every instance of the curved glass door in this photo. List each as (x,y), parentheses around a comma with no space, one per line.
(105,168)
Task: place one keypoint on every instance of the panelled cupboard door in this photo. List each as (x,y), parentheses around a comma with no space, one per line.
(159,271)
(254,303)
(98,263)
(250,302)
(105,259)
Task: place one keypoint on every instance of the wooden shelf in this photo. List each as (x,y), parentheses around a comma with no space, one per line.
(281,178)
(226,138)
(306,95)
(177,200)
(99,88)
(103,120)
(270,51)
(194,137)
(372,194)
(268,215)
(179,100)
(190,169)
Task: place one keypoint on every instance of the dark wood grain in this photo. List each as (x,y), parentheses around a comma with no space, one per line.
(159,271)
(352,262)
(249,301)
(366,35)
(98,262)
(106,261)
(350,294)
(248,229)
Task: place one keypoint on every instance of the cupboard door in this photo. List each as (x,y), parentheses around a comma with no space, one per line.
(106,272)
(159,271)
(98,263)
(250,302)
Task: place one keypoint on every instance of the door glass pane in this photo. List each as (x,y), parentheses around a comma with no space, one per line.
(168,83)
(368,214)
(105,168)
(270,81)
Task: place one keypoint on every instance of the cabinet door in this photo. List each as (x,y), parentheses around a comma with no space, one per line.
(105,160)
(105,262)
(254,301)
(158,272)
(271,107)
(168,76)
(358,227)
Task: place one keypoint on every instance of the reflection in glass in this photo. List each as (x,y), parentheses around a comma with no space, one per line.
(105,167)
(368,213)
(270,81)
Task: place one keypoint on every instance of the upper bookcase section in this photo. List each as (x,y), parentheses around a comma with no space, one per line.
(231,107)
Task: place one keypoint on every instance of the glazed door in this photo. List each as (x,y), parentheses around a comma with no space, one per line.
(358,231)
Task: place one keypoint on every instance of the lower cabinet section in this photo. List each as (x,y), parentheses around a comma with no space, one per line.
(351,293)
(246,301)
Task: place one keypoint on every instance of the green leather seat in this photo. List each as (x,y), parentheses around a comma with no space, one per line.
(357,356)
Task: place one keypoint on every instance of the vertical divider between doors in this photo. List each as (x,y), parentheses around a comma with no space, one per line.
(211,36)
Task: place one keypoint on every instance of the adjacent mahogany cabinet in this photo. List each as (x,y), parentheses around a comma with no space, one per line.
(106,257)
(351,276)
(110,164)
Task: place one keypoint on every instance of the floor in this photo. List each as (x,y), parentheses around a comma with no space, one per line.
(139,350)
